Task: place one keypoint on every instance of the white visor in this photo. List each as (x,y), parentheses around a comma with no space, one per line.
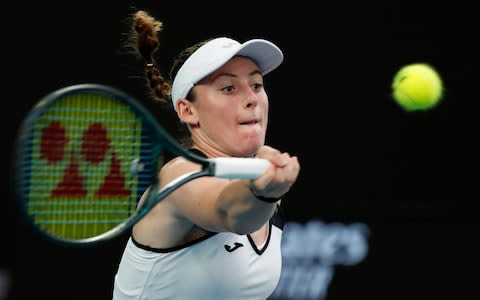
(215,53)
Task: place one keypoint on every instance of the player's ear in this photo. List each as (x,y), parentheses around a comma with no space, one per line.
(186,112)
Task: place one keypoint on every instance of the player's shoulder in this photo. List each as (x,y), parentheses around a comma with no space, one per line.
(178,166)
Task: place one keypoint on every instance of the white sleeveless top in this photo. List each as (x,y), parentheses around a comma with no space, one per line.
(218,266)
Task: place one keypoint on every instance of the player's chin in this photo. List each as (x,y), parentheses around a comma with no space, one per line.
(248,146)
(253,146)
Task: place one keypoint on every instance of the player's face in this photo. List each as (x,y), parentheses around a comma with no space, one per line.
(232,108)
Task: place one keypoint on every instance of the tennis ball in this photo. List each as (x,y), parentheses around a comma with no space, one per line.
(417,87)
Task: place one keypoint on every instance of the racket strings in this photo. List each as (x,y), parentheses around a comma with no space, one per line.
(87,161)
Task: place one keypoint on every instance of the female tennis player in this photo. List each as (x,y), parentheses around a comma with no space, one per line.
(212,238)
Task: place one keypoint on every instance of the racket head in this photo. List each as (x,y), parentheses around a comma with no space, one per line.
(83,157)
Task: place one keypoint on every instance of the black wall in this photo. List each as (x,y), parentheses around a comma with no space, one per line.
(412,177)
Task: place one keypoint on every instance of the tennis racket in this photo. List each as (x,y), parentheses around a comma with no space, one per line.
(86,153)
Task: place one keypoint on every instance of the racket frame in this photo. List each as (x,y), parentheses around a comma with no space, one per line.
(154,196)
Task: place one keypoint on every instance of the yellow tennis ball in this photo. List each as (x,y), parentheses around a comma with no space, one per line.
(417,87)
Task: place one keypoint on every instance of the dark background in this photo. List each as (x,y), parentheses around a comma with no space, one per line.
(411,177)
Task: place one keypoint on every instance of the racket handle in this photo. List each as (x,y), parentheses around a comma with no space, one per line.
(239,167)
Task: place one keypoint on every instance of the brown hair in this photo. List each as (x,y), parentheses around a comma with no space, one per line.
(144,41)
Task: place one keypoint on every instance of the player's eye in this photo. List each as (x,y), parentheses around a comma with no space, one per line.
(228,89)
(257,86)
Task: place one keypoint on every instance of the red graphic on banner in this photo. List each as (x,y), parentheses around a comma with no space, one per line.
(94,147)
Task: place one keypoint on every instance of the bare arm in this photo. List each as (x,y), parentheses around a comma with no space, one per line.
(230,205)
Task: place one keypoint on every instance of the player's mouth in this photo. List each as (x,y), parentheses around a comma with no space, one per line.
(252,122)
(249,121)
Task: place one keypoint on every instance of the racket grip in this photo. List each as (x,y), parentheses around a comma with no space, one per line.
(239,167)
